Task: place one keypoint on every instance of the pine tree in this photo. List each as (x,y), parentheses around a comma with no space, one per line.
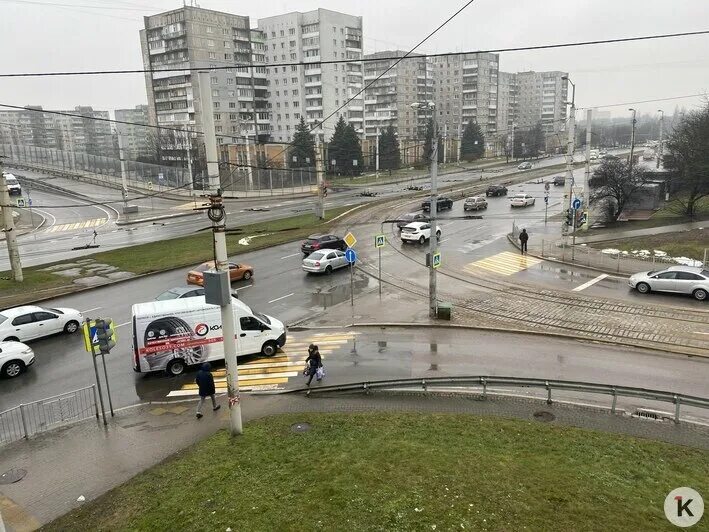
(389,155)
(472,145)
(302,151)
(345,149)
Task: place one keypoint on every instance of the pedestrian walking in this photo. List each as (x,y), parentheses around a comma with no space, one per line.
(314,364)
(205,382)
(523,237)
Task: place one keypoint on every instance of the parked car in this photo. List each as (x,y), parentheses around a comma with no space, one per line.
(180,292)
(13,185)
(316,242)
(559,181)
(406,219)
(418,232)
(324,261)
(15,357)
(442,203)
(521,200)
(496,190)
(526,165)
(237,272)
(678,279)
(30,322)
(475,203)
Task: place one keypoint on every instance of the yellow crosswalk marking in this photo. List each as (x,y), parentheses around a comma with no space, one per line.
(76,225)
(505,263)
(184,206)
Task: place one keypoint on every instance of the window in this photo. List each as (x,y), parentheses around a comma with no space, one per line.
(229,81)
(292,44)
(216,105)
(249,323)
(296,104)
(22,320)
(296,115)
(210,43)
(215,80)
(232,105)
(291,31)
(282,33)
(215,92)
(285,93)
(212,55)
(43,316)
(667,275)
(287,116)
(283,45)
(228,57)
(283,69)
(231,94)
(295,92)
(293,68)
(210,29)
(285,81)
(294,57)
(218,129)
(227,44)
(217,116)
(232,116)
(688,276)
(273,34)
(294,80)
(278,93)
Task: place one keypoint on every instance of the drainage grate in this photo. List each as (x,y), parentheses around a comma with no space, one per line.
(300,427)
(13,475)
(543,415)
(644,414)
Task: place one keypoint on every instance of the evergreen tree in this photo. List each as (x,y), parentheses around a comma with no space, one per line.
(473,142)
(536,140)
(345,149)
(389,155)
(302,148)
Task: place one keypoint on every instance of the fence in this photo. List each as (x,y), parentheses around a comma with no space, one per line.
(268,182)
(484,383)
(28,419)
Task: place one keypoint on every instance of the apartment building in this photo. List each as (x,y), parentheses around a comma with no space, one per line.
(506,102)
(387,102)
(541,97)
(314,90)
(133,137)
(229,48)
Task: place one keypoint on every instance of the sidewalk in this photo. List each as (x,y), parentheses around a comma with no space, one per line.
(87,460)
(615,235)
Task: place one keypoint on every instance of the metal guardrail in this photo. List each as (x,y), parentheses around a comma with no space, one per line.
(484,382)
(32,418)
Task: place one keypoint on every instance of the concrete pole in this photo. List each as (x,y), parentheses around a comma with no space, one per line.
(377,154)
(568,192)
(190,178)
(13,251)
(433,241)
(512,148)
(229,335)
(445,143)
(124,178)
(632,143)
(320,207)
(587,173)
(210,138)
(659,148)
(249,169)
(460,143)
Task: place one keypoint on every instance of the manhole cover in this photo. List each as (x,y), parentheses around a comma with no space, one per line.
(544,416)
(300,427)
(12,476)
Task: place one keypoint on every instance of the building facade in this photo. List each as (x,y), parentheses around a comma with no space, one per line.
(134,137)
(541,97)
(313,91)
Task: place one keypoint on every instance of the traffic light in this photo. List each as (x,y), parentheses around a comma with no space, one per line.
(570,213)
(105,335)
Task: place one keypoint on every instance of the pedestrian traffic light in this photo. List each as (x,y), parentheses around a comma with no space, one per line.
(105,335)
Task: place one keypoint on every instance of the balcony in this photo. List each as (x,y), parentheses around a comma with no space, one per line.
(158,50)
(170,74)
(174,34)
(312,96)
(313,83)
(313,107)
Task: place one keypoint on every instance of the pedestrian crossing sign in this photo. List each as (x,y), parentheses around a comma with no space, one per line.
(437,259)
(21,202)
(379,241)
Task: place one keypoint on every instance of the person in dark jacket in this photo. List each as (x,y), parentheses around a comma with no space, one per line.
(523,237)
(314,362)
(205,382)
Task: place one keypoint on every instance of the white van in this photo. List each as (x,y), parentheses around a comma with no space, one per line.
(173,334)
(13,185)
(593,155)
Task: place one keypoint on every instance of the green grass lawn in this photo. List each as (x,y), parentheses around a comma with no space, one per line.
(389,471)
(683,244)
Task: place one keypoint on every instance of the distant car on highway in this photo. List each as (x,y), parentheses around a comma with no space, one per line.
(609,157)
(475,203)
(180,292)
(15,357)
(316,242)
(442,203)
(406,219)
(324,261)
(524,166)
(30,322)
(13,185)
(237,272)
(678,279)
(496,190)
(418,232)
(559,181)
(521,200)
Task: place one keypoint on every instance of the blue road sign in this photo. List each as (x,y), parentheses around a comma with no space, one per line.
(576,204)
(350,255)
(94,335)
(546,199)
(437,259)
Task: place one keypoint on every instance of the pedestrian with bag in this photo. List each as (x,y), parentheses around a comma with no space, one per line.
(523,238)
(205,382)
(314,366)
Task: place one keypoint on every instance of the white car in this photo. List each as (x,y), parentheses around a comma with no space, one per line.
(524,166)
(678,279)
(15,357)
(521,200)
(324,261)
(30,322)
(418,232)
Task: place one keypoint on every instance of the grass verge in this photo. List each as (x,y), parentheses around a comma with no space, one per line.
(394,471)
(163,255)
(690,243)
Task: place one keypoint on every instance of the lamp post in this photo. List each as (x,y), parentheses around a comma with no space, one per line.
(570,155)
(632,142)
(659,148)
(433,241)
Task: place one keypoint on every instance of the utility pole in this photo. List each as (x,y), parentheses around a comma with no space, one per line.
(210,139)
(660,147)
(569,181)
(124,179)
(377,154)
(13,251)
(320,207)
(460,143)
(249,169)
(587,173)
(632,143)
(188,147)
(512,148)
(445,142)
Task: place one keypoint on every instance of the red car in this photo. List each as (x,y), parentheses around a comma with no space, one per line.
(237,272)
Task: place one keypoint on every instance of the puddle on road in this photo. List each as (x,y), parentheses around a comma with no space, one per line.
(326,297)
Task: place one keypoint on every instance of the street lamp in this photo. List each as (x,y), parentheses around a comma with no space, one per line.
(433,241)
(632,142)
(659,148)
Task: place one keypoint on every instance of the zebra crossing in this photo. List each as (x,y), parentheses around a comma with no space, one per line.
(505,263)
(86,224)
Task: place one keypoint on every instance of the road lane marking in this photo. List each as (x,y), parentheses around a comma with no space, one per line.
(76,225)
(122,324)
(505,263)
(279,298)
(590,283)
(289,256)
(243,287)
(90,309)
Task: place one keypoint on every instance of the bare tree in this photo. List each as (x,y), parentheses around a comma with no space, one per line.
(613,181)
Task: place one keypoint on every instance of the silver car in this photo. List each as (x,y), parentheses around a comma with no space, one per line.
(325,261)
(677,279)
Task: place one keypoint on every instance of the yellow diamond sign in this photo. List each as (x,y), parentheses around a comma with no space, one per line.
(350,240)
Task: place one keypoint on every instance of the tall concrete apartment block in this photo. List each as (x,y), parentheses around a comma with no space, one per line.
(134,138)
(314,90)
(506,103)
(465,90)
(541,97)
(387,102)
(194,39)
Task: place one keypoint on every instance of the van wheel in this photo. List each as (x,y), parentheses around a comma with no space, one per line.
(176,367)
(12,369)
(247,275)
(71,327)
(269,349)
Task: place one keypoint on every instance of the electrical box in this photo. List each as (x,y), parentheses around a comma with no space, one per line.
(217,288)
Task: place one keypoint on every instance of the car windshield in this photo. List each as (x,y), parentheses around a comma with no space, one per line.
(317,255)
(705,273)
(56,311)
(2,318)
(311,240)
(263,318)
(519,196)
(203,267)
(11,181)
(167,295)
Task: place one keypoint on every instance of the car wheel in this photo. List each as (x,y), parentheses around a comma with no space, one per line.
(643,288)
(12,339)
(328,269)
(12,368)
(269,349)
(422,240)
(71,327)
(700,294)
(176,367)
(247,275)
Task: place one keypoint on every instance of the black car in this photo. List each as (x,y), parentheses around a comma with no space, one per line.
(442,203)
(559,180)
(406,219)
(316,242)
(496,190)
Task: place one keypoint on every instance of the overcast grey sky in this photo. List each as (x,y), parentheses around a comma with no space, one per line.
(37,37)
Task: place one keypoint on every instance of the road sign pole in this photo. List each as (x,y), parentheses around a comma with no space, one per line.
(87,325)
(546,210)
(379,249)
(108,387)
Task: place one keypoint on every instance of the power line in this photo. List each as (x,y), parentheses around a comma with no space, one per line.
(371,59)
(644,101)
(77,5)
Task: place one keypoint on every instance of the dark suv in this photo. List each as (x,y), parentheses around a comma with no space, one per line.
(559,181)
(496,190)
(406,219)
(316,242)
(442,203)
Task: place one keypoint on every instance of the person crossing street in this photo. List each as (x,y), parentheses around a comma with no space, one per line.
(523,238)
